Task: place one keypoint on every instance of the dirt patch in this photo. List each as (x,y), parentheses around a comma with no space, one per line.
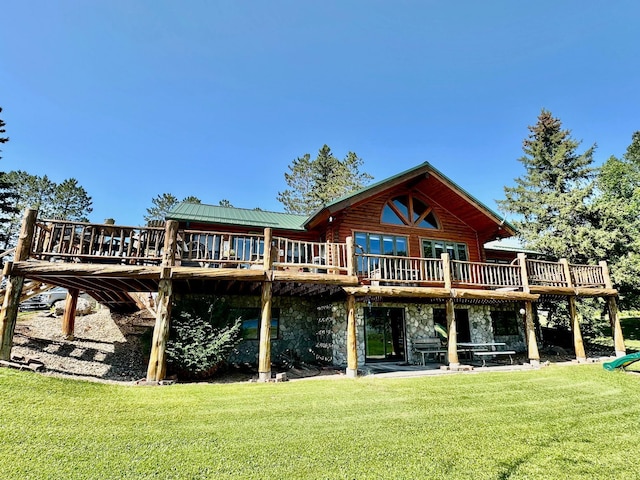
(106,347)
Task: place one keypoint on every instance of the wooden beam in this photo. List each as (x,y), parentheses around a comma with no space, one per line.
(308,277)
(493,294)
(55,269)
(614,318)
(264,354)
(11,302)
(577,291)
(530,332)
(452,353)
(352,341)
(157,360)
(69,316)
(446,270)
(578,343)
(383,291)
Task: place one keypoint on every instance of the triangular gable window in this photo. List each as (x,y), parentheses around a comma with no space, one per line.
(408,210)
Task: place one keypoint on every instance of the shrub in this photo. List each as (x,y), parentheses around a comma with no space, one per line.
(201,337)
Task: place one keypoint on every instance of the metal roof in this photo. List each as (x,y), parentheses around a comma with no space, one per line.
(200,212)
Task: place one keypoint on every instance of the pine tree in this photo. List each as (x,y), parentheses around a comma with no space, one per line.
(163,204)
(553,200)
(7,194)
(317,182)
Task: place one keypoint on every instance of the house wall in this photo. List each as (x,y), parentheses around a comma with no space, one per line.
(365,217)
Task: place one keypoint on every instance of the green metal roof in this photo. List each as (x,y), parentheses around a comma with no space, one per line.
(199,212)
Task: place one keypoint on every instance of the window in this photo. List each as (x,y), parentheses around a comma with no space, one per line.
(410,211)
(504,322)
(435,248)
(382,244)
(379,244)
(251,319)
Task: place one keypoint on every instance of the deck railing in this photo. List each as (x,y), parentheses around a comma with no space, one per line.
(587,275)
(388,268)
(550,274)
(486,274)
(59,240)
(220,249)
(315,257)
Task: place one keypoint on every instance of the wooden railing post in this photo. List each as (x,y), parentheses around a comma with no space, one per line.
(9,312)
(352,341)
(567,271)
(446,270)
(157,360)
(605,274)
(524,276)
(351,257)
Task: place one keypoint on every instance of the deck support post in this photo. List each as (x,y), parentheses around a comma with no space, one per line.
(157,369)
(69,317)
(264,353)
(352,349)
(532,341)
(351,257)
(578,343)
(11,302)
(452,350)
(614,318)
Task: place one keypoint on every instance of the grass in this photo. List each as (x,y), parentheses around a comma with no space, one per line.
(557,422)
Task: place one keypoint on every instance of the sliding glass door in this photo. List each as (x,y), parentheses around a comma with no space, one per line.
(384,334)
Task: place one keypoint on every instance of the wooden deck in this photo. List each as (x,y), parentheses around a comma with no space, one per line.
(109,261)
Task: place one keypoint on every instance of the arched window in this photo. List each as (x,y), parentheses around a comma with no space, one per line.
(408,210)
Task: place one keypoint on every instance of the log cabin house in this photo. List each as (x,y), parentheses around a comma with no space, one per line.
(364,279)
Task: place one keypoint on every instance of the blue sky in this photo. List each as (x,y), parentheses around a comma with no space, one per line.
(216,98)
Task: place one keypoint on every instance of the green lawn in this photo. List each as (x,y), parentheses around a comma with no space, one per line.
(557,422)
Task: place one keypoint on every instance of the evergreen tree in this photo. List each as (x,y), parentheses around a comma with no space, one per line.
(553,200)
(71,202)
(317,182)
(7,193)
(163,204)
(66,201)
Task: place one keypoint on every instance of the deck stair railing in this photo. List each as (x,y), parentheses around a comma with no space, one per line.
(61,240)
(315,257)
(220,249)
(491,275)
(391,268)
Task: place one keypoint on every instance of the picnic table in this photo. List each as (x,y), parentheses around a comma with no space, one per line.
(484,350)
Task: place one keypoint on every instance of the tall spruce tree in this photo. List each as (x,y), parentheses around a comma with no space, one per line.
(553,200)
(317,182)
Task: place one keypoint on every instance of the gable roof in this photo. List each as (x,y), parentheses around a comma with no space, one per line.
(200,212)
(423,170)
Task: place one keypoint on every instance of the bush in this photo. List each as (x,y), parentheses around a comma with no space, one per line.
(201,337)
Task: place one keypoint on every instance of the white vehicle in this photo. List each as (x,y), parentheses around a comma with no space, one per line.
(44,300)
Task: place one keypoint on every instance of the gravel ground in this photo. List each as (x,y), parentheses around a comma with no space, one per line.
(107,347)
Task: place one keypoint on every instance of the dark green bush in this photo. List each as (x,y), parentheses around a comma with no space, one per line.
(201,337)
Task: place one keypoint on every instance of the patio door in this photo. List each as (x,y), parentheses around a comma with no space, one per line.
(384,334)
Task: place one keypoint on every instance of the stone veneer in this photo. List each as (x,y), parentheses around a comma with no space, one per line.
(308,328)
